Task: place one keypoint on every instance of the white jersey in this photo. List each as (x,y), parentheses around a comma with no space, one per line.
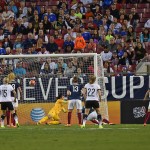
(92,92)
(5,93)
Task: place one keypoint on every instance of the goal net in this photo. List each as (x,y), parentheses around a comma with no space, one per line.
(52,74)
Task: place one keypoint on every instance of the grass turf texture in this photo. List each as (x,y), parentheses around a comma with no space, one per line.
(58,137)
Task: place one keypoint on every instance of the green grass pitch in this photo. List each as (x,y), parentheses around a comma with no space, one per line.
(58,137)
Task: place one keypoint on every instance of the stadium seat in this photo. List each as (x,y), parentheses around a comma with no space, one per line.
(143,6)
(140,25)
(131,6)
(139,29)
(42,3)
(53,3)
(146,15)
(140,10)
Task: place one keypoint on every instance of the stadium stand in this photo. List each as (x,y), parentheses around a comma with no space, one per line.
(20,17)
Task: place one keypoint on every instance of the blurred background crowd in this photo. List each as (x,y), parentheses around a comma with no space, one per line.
(116,29)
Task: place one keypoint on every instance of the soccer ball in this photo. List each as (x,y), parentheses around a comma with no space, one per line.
(32,82)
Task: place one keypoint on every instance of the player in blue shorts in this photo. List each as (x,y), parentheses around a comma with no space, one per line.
(74,92)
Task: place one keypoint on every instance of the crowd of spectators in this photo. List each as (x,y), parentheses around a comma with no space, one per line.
(116,29)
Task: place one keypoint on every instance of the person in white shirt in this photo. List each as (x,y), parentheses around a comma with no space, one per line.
(70,33)
(147,24)
(6,101)
(106,54)
(92,96)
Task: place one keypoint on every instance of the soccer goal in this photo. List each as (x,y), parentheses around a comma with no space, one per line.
(52,74)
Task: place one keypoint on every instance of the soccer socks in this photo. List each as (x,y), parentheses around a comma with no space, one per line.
(146,117)
(8,117)
(95,121)
(69,117)
(84,119)
(2,120)
(15,117)
(79,118)
(99,118)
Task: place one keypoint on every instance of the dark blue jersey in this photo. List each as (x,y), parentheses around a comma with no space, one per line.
(75,90)
(15,86)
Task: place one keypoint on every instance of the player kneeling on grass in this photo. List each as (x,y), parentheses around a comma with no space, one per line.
(6,100)
(53,114)
(92,116)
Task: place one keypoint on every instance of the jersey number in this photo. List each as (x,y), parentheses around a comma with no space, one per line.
(4,93)
(75,89)
(91,92)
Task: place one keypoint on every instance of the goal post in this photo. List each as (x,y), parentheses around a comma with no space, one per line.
(52,73)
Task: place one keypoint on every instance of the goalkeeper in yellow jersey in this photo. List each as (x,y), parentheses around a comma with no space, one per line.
(53,114)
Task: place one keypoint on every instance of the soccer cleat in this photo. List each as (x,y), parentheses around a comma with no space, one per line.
(82,126)
(17,124)
(100,127)
(2,126)
(144,124)
(68,125)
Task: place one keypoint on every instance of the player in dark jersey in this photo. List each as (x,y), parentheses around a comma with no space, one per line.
(74,92)
(16,87)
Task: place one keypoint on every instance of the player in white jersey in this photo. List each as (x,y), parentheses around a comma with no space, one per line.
(6,100)
(92,95)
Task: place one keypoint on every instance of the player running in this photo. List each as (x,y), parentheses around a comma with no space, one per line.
(6,100)
(54,112)
(16,87)
(74,92)
(92,95)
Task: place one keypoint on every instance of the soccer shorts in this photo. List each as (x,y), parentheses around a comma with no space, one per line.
(7,105)
(149,106)
(92,104)
(92,115)
(75,102)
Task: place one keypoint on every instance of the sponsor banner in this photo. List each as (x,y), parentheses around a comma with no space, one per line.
(126,87)
(133,112)
(117,88)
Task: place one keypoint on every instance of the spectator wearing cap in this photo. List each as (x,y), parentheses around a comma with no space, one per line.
(79,43)
(98,20)
(114,11)
(68,43)
(52,47)
(70,33)
(86,35)
(2,50)
(106,54)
